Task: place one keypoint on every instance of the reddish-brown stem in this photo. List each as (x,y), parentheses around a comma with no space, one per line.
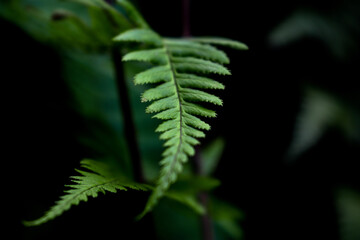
(186,18)
(206,223)
(207,229)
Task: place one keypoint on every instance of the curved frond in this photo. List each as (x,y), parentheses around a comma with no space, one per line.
(182,71)
(89,184)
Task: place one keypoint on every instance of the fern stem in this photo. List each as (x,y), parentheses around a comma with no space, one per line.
(131,136)
(207,228)
(186,18)
(206,223)
(129,124)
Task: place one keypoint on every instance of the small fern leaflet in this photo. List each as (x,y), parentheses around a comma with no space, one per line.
(89,184)
(180,72)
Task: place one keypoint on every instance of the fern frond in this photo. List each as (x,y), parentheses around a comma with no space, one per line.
(132,13)
(88,184)
(180,66)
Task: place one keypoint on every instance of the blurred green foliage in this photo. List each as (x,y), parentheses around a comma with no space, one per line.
(81,33)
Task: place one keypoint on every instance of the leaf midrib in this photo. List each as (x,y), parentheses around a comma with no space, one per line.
(177,92)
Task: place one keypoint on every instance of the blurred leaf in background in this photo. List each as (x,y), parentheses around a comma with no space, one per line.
(348,203)
(320,112)
(330,93)
(323,43)
(336,31)
(82,32)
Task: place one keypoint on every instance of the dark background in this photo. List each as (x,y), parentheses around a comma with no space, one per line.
(261,103)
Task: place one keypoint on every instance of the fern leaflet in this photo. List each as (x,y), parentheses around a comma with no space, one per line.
(89,184)
(220,41)
(180,66)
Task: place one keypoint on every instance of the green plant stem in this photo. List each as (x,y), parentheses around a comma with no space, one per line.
(207,229)
(129,124)
(130,131)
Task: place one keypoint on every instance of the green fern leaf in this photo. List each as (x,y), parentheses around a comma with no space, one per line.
(162,104)
(179,72)
(88,184)
(188,200)
(191,64)
(221,41)
(193,81)
(194,95)
(198,110)
(140,35)
(102,178)
(153,55)
(154,75)
(187,48)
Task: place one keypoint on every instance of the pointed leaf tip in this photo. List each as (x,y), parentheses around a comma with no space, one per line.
(139,35)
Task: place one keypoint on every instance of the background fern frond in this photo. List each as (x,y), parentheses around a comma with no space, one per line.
(180,66)
(88,184)
(132,13)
